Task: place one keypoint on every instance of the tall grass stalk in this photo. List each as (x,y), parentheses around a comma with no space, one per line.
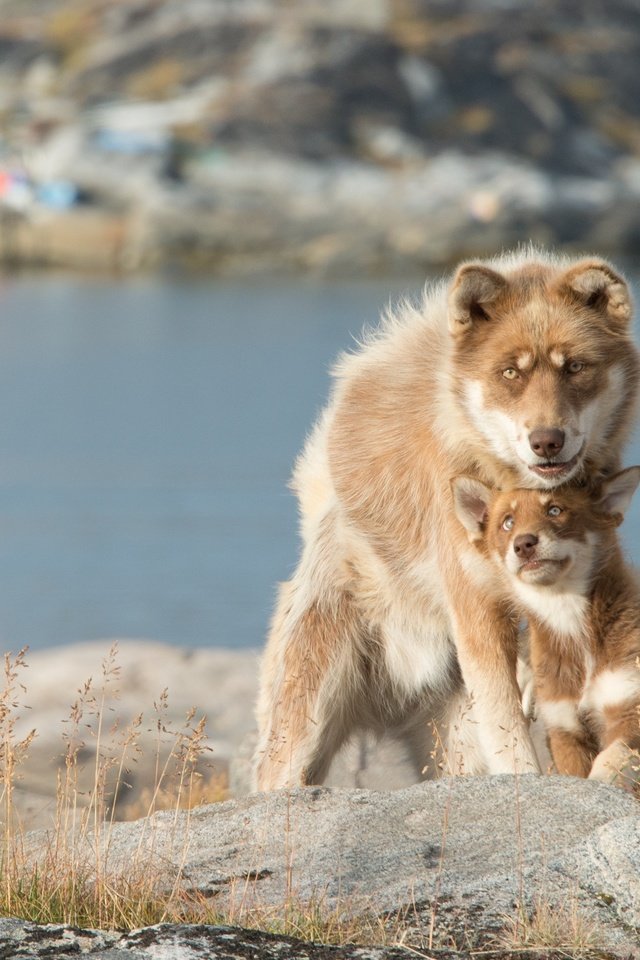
(73,878)
(548,926)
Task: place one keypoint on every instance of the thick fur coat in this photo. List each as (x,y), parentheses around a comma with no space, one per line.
(520,371)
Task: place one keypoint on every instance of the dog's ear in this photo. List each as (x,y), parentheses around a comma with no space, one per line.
(474,289)
(595,284)
(618,491)
(471,501)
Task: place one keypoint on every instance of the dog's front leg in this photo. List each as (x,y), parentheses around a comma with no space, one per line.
(486,638)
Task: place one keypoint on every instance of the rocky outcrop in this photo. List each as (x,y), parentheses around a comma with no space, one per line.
(452,861)
(456,859)
(346,137)
(26,941)
(23,941)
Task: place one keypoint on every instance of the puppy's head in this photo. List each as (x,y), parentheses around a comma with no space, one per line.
(540,537)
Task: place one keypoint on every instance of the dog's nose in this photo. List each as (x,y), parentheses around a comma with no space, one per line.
(524,545)
(546,441)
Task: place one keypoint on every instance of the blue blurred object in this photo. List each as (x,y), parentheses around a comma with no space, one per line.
(131,142)
(57,194)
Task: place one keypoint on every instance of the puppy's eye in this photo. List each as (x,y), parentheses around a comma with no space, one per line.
(508,522)
(554,510)
(574,366)
(510,373)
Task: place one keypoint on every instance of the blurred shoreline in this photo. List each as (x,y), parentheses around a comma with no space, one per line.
(349,138)
(340,220)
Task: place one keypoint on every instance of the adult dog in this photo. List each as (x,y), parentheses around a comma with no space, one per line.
(521,372)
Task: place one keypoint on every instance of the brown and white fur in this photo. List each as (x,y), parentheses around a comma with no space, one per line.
(559,552)
(521,370)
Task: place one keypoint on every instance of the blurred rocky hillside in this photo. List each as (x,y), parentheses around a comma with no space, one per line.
(341,136)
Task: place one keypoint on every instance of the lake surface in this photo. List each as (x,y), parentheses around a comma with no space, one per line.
(147,433)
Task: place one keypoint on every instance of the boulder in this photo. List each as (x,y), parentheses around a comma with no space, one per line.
(458,860)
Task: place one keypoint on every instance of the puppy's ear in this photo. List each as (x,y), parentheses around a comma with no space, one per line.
(474,288)
(618,491)
(471,501)
(597,286)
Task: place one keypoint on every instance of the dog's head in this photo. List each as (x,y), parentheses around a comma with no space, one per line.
(543,537)
(544,366)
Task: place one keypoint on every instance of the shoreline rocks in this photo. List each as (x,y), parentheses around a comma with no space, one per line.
(173,942)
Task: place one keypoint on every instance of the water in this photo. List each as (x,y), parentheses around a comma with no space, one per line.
(147,433)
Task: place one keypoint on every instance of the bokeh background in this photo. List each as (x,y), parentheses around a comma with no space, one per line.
(201,203)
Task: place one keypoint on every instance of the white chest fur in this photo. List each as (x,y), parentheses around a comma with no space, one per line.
(565,614)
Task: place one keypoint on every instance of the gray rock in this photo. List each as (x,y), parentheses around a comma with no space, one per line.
(457,855)
(28,941)
(608,864)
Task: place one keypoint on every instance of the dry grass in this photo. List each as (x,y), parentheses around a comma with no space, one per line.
(61,885)
(205,789)
(347,921)
(550,927)
(64,884)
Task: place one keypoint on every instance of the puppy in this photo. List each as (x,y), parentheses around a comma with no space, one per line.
(559,554)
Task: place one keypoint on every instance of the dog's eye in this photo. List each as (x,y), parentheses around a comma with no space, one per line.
(510,373)
(554,510)
(574,366)
(508,522)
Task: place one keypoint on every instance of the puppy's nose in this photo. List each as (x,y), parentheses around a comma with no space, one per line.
(546,441)
(524,545)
